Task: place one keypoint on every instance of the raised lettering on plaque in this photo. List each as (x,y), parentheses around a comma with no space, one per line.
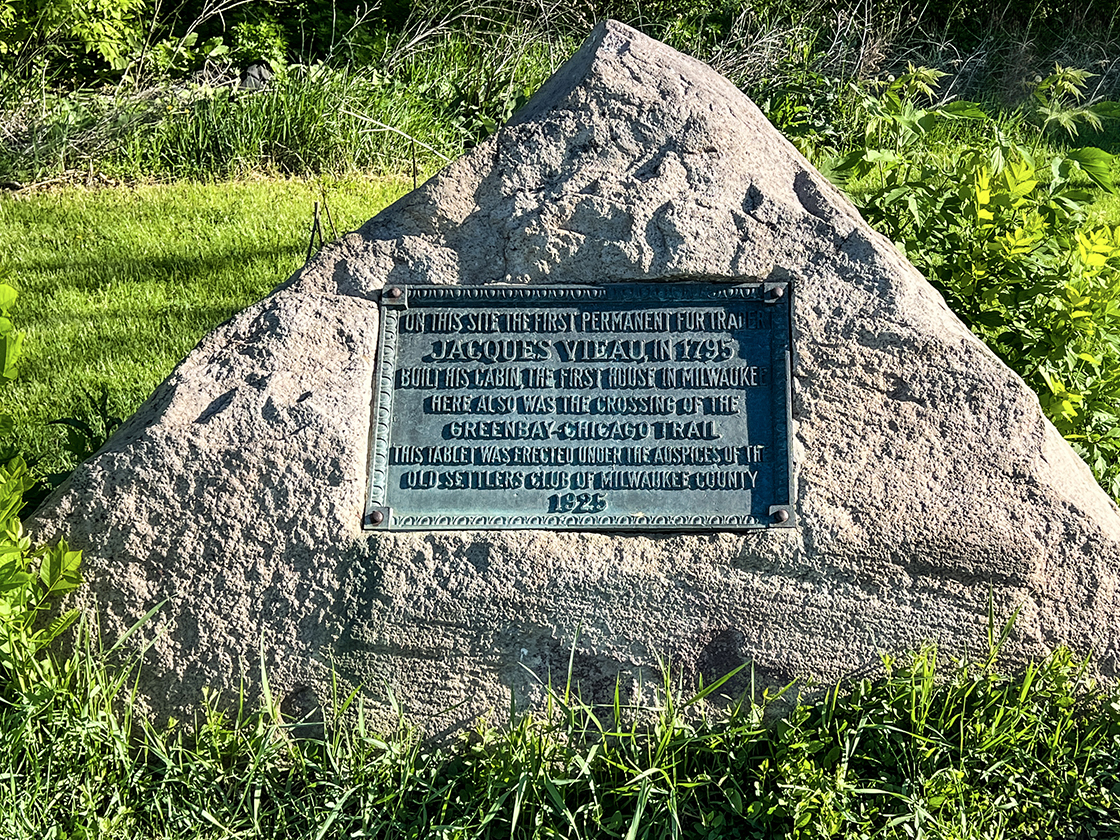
(657,406)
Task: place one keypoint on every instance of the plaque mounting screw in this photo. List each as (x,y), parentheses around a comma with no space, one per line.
(394,293)
(780,516)
(376,518)
(776,292)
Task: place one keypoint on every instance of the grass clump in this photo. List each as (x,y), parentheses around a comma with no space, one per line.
(928,749)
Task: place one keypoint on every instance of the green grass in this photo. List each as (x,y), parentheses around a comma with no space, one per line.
(117,285)
(930,749)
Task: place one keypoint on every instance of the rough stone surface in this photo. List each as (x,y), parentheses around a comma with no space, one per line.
(927,476)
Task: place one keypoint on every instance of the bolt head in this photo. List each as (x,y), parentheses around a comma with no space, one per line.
(777,292)
(394,293)
(377,517)
(781,516)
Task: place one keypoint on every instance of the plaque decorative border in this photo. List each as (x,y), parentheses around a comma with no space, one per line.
(383,412)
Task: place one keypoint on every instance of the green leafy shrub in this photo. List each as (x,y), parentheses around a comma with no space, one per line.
(59,34)
(179,56)
(1058,101)
(259,38)
(11,343)
(808,109)
(1006,241)
(30,578)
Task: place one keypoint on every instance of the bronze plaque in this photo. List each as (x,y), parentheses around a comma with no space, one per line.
(657,406)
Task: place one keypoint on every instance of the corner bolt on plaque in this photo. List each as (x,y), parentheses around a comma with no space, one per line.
(657,406)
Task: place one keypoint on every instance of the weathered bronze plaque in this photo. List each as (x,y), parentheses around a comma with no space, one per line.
(659,406)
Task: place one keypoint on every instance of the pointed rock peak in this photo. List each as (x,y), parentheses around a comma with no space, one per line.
(926,483)
(632,162)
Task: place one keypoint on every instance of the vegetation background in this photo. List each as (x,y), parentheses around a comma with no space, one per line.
(164,165)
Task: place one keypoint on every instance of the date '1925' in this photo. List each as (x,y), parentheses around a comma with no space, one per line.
(576,503)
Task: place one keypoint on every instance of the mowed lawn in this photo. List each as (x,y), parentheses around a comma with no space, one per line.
(116,285)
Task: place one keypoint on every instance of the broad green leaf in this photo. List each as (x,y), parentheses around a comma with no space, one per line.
(12,579)
(926,121)
(10,346)
(881,156)
(1097,164)
(59,570)
(963,110)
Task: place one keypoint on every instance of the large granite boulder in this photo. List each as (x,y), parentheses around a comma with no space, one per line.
(927,479)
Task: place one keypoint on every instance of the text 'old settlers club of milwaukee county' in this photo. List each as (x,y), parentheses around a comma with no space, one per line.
(625,406)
